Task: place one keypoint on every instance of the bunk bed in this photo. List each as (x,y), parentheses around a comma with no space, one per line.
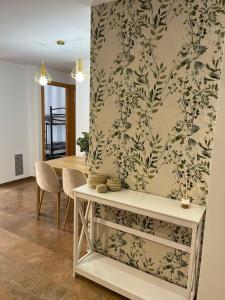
(53,148)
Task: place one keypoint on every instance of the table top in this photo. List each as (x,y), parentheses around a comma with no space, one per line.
(70,162)
(147,202)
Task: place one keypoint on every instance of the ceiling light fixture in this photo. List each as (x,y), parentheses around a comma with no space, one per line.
(43,77)
(78,72)
(60,42)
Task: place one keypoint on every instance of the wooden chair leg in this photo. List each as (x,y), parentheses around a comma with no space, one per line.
(58,210)
(67,210)
(38,198)
(40,203)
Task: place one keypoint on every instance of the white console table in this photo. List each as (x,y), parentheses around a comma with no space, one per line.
(123,279)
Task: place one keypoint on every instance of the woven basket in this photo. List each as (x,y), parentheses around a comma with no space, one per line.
(96,179)
(101,188)
(114,184)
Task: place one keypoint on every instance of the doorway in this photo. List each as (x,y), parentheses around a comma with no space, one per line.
(58,120)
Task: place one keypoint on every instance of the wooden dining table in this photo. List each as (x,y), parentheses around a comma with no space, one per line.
(70,162)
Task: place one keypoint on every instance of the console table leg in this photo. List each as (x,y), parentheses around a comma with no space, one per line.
(76,236)
(197,257)
(191,262)
(92,215)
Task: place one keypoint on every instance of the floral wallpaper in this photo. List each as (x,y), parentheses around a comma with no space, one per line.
(155,74)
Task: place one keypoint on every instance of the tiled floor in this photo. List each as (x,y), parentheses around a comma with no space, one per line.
(36,257)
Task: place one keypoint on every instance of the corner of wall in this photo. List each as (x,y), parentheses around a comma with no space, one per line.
(212,272)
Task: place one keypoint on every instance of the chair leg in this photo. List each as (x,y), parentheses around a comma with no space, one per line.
(58,210)
(38,198)
(67,210)
(40,203)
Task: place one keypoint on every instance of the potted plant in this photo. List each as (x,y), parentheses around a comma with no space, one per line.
(83,142)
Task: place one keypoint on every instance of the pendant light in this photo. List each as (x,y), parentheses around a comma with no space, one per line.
(78,72)
(43,77)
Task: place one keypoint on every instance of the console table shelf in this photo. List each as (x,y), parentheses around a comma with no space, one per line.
(123,279)
(126,280)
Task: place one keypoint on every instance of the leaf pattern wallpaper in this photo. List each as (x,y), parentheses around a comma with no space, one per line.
(155,75)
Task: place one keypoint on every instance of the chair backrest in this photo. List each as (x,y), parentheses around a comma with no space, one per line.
(71,179)
(46,177)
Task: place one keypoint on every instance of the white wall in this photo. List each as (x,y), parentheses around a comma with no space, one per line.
(20,117)
(61,76)
(34,102)
(82,105)
(212,275)
(14,119)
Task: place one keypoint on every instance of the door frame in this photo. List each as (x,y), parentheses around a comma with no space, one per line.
(70,117)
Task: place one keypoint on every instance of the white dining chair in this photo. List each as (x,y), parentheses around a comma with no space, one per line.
(47,181)
(71,179)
